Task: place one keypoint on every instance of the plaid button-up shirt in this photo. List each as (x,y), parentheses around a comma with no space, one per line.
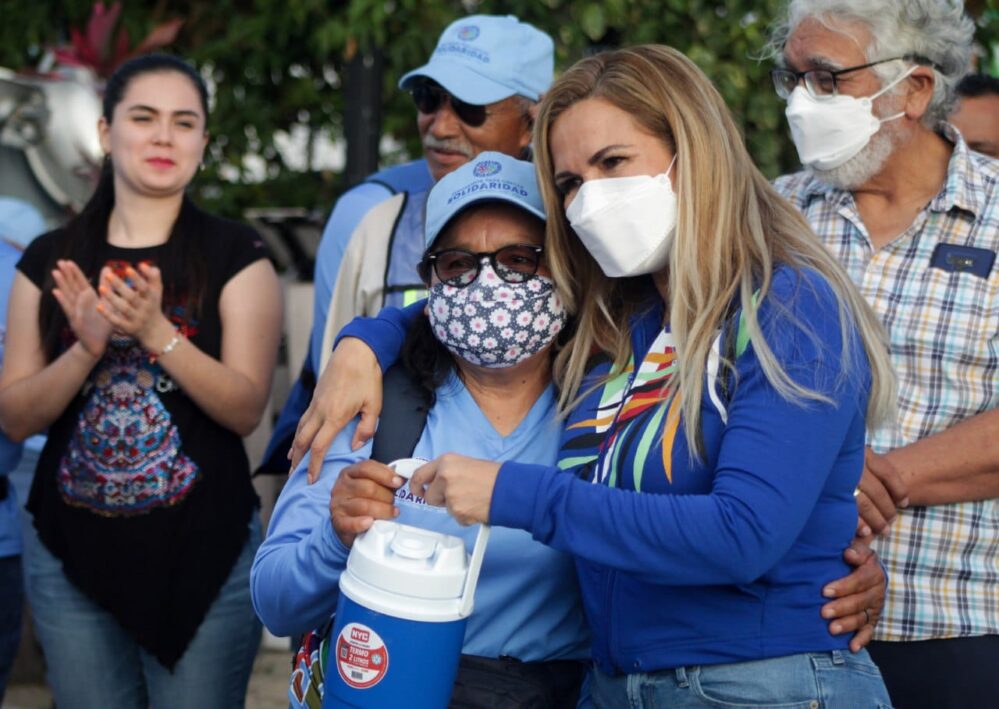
(943,327)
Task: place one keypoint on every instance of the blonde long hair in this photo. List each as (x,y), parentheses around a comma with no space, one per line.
(733,229)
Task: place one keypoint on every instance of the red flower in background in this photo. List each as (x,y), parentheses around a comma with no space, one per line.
(106,44)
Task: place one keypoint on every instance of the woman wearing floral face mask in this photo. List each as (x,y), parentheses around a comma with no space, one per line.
(716,446)
(483,351)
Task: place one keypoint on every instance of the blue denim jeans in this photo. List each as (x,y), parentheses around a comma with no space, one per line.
(815,680)
(93,662)
(11,602)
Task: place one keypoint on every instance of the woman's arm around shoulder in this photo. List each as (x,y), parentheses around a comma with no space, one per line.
(351,382)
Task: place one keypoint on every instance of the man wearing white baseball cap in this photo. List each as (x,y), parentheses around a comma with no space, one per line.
(476,93)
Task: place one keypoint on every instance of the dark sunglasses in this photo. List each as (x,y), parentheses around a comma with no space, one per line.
(459,267)
(429,96)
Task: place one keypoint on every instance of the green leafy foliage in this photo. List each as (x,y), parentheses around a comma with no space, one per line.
(278,64)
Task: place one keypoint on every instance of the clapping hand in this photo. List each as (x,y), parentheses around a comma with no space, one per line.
(135,306)
(79,302)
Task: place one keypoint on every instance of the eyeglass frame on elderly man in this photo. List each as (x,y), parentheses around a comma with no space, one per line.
(508,273)
(429,96)
(809,75)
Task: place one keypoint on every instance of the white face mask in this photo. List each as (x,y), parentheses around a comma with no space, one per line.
(830,131)
(626,223)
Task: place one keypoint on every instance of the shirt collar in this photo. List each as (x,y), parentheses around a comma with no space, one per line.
(829,194)
(964,186)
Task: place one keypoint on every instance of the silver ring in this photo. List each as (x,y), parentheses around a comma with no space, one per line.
(867,617)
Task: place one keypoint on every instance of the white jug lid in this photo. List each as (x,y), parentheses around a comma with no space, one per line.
(409,561)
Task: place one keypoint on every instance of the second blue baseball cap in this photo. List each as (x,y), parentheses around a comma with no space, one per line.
(482,59)
(489,177)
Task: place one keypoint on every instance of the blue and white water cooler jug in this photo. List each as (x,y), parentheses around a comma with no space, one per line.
(405,599)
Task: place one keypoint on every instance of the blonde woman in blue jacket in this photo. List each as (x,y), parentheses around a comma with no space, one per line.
(715,448)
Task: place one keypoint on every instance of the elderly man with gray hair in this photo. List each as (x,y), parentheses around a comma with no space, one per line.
(913,215)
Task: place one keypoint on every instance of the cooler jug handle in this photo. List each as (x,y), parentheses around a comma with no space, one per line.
(474,566)
(405,467)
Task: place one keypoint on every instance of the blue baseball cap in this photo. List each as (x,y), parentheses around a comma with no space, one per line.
(19,221)
(482,59)
(489,177)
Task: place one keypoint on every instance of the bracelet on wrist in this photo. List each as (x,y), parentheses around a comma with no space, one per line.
(168,348)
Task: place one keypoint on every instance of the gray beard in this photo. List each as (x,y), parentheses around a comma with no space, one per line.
(859,169)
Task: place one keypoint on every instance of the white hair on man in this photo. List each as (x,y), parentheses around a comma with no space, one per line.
(936,30)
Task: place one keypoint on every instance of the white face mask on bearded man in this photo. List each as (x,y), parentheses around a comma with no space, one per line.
(829,132)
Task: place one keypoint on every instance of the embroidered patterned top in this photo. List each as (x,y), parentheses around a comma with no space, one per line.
(143,497)
(125,455)
(937,293)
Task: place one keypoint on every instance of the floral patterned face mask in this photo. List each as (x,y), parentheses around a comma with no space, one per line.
(493,323)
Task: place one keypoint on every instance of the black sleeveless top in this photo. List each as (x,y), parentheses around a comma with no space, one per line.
(143,497)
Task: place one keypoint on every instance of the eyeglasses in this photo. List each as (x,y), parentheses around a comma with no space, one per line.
(821,83)
(459,267)
(429,96)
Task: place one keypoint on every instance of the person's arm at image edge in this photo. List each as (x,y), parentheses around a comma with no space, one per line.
(960,464)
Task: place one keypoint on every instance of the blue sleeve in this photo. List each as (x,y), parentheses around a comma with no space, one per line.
(10,526)
(10,452)
(296,571)
(346,215)
(773,462)
(386,333)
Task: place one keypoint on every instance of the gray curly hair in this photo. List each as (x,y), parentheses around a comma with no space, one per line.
(935,29)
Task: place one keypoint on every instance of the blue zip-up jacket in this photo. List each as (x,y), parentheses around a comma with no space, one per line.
(721,559)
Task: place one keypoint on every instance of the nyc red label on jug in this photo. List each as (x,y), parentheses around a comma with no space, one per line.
(405,596)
